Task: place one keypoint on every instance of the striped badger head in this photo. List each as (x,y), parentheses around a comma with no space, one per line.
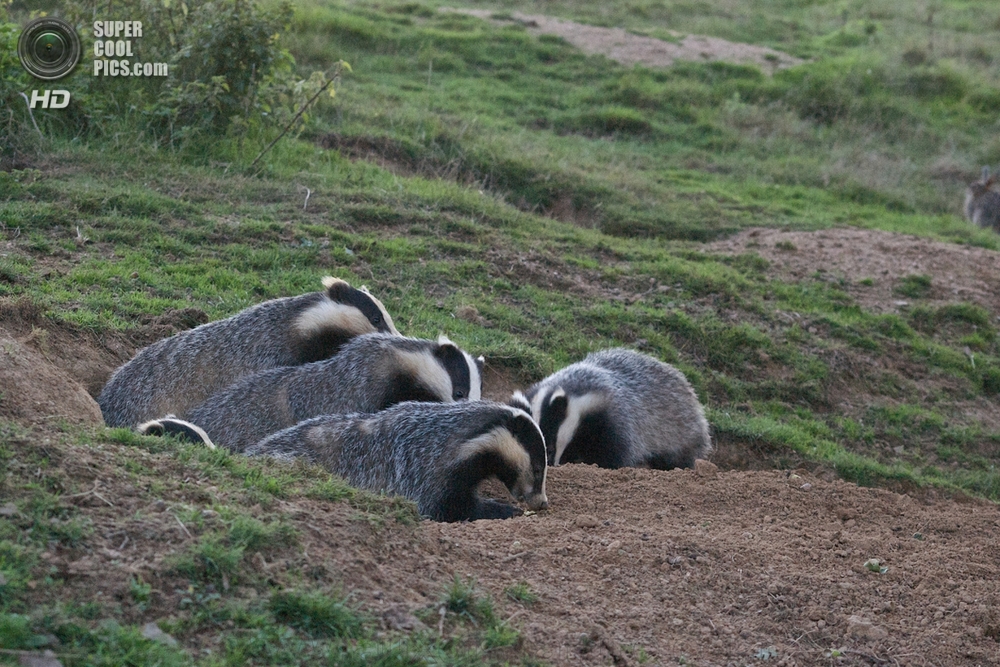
(341,313)
(171,425)
(575,422)
(514,452)
(443,372)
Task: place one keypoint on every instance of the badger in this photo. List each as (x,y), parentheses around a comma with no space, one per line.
(432,453)
(177,373)
(370,373)
(619,408)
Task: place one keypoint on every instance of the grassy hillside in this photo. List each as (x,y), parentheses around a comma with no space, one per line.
(565,198)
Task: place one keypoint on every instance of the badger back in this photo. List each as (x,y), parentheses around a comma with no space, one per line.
(175,374)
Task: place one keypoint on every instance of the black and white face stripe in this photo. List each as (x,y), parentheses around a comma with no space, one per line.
(531,486)
(171,425)
(517,449)
(560,416)
(464,372)
(371,309)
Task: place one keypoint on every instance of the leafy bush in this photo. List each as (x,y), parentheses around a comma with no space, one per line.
(226,70)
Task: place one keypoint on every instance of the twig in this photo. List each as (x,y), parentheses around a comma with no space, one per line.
(441,612)
(124,542)
(85,493)
(110,504)
(183,527)
(515,556)
(32,115)
(293,120)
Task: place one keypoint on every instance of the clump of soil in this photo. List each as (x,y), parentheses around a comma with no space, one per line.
(881,259)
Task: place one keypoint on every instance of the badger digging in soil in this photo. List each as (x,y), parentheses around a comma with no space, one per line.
(370,373)
(435,454)
(618,408)
(177,373)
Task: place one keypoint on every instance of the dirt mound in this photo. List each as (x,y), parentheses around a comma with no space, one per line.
(630,49)
(85,356)
(725,568)
(958,273)
(33,391)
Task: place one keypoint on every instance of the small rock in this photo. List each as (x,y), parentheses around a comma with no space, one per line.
(863,628)
(46,659)
(806,486)
(152,631)
(398,618)
(704,468)
(10,509)
(159,506)
(586,521)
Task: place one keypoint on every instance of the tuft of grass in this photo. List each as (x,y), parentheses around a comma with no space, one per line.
(521,592)
(915,286)
(317,615)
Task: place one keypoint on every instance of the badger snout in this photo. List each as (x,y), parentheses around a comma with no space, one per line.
(537,501)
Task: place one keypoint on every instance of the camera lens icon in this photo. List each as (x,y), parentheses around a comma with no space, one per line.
(49,48)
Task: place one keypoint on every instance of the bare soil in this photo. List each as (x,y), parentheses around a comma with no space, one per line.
(958,272)
(629,48)
(630,567)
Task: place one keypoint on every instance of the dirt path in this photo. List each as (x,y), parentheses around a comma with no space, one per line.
(629,49)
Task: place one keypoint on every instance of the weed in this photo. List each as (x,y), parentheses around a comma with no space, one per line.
(521,592)
(316,614)
(915,286)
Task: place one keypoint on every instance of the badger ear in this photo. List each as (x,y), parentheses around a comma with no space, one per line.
(480,364)
(444,340)
(520,401)
(558,401)
(337,289)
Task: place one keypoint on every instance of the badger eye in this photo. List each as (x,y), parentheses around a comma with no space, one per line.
(377,319)
(458,394)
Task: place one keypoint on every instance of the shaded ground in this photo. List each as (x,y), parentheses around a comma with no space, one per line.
(629,49)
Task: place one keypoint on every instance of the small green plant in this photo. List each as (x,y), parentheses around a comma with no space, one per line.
(461,599)
(316,614)
(915,286)
(521,592)
(500,635)
(140,592)
(867,282)
(787,246)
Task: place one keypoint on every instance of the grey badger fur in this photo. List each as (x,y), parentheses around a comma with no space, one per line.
(435,454)
(619,408)
(369,374)
(177,373)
